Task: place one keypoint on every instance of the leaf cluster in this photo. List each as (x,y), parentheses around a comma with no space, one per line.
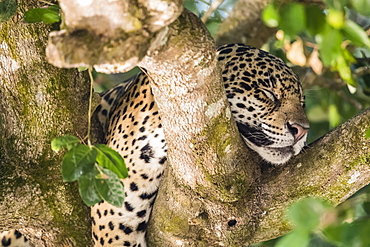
(316,223)
(331,29)
(48,14)
(97,168)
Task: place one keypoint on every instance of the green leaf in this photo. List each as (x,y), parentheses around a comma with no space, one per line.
(294,239)
(110,159)
(82,69)
(334,116)
(87,189)
(367,135)
(336,4)
(54,8)
(356,34)
(78,161)
(361,6)
(316,21)
(305,214)
(349,234)
(8,9)
(110,188)
(342,64)
(190,5)
(213,26)
(334,233)
(292,18)
(41,14)
(335,18)
(61,142)
(330,41)
(50,18)
(270,15)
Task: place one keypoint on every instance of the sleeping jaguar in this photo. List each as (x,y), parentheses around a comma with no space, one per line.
(267,103)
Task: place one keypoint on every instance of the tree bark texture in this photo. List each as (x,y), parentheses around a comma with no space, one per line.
(38,102)
(206,155)
(194,109)
(333,168)
(113,37)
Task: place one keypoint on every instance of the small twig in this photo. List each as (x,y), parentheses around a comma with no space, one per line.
(47,2)
(361,71)
(205,2)
(211,9)
(367,30)
(102,174)
(351,100)
(90,103)
(363,59)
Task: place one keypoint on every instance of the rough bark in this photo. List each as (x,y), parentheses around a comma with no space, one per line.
(212,194)
(333,168)
(194,109)
(205,151)
(38,102)
(113,37)
(244,25)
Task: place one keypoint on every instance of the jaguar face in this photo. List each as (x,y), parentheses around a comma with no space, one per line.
(267,102)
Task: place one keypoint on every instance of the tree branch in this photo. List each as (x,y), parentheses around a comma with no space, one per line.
(334,168)
(244,25)
(206,156)
(192,101)
(113,37)
(214,5)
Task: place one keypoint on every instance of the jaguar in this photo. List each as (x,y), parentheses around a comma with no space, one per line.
(267,103)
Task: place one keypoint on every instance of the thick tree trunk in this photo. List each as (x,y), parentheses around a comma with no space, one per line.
(207,158)
(38,102)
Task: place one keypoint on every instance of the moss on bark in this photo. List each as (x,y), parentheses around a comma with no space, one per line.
(38,103)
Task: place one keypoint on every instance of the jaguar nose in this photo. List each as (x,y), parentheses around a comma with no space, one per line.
(297,130)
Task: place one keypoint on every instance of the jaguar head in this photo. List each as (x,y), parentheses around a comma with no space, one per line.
(267,102)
